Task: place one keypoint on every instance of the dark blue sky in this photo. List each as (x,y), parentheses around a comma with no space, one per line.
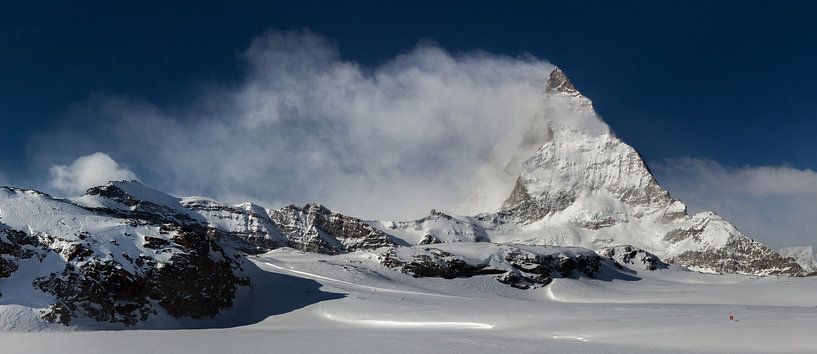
(733,81)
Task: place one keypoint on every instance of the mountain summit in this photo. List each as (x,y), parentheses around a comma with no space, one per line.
(559,83)
(584,205)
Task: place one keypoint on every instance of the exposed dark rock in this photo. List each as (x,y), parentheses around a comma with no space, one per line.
(428,240)
(253,230)
(75,251)
(631,255)
(441,264)
(678,235)
(14,246)
(559,83)
(155,242)
(101,290)
(142,211)
(523,269)
(315,228)
(740,255)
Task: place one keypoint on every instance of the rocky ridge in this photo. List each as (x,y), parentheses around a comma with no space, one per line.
(124,253)
(585,204)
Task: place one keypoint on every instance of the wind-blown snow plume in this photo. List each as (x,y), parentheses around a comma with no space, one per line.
(774,204)
(304,125)
(88,171)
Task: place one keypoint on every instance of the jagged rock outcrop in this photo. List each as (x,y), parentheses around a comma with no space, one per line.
(435,263)
(246,226)
(15,246)
(627,254)
(134,201)
(314,228)
(740,255)
(124,253)
(522,267)
(97,265)
(558,82)
(593,189)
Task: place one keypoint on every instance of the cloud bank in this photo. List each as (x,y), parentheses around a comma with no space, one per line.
(88,171)
(305,125)
(773,204)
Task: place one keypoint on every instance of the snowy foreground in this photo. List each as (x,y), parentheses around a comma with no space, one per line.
(317,303)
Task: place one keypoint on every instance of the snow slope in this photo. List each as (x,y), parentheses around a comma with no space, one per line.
(376,310)
(587,253)
(585,187)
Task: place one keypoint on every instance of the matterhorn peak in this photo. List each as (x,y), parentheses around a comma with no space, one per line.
(559,83)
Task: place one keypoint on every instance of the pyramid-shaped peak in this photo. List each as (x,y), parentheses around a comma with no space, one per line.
(559,83)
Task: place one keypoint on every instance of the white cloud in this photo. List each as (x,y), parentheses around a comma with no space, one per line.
(88,171)
(773,204)
(304,125)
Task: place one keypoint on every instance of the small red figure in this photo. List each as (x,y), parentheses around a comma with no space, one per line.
(731,317)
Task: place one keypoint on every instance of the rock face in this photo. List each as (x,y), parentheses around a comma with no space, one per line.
(522,267)
(247,226)
(125,253)
(132,200)
(740,255)
(97,265)
(15,246)
(598,192)
(631,255)
(314,228)
(575,163)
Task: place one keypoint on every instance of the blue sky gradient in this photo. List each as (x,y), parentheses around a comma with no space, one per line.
(732,81)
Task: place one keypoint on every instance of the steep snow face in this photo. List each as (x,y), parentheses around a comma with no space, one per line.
(585,187)
(246,227)
(576,164)
(70,264)
(561,106)
(133,199)
(315,228)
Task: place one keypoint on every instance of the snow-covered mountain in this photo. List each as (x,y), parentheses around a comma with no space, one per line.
(108,261)
(124,254)
(584,204)
(585,187)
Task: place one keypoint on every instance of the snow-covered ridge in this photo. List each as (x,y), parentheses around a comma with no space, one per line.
(585,187)
(584,201)
(125,253)
(72,264)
